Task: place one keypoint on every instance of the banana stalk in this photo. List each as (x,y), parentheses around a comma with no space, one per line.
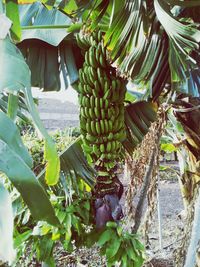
(101,97)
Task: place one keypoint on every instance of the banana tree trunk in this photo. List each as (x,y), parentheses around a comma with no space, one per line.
(191,258)
(189,117)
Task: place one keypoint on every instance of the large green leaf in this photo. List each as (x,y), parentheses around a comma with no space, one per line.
(42,17)
(184,3)
(9,134)
(191,86)
(138,119)
(189,118)
(12,106)
(50,152)
(43,62)
(16,77)
(12,13)
(184,39)
(147,42)
(7,252)
(26,183)
(44,59)
(46,49)
(21,107)
(73,163)
(15,74)
(67,56)
(15,163)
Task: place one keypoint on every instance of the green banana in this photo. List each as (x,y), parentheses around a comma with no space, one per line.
(106,126)
(87,60)
(88,127)
(110,126)
(101,103)
(101,97)
(97,89)
(102,148)
(102,126)
(97,112)
(93,73)
(93,128)
(109,146)
(92,102)
(92,58)
(98,128)
(110,136)
(103,113)
(92,114)
(102,61)
(90,137)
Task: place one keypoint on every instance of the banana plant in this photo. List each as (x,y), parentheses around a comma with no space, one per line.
(153,43)
(16,162)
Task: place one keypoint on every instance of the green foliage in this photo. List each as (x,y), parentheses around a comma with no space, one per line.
(7,252)
(12,12)
(16,164)
(62,138)
(168,148)
(41,238)
(118,246)
(75,215)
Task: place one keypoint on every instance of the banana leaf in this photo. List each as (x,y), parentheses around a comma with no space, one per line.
(73,163)
(37,15)
(138,119)
(15,160)
(48,47)
(190,122)
(16,163)
(7,252)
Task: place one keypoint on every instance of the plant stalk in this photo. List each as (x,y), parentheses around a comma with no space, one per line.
(159,215)
(195,237)
(43,27)
(143,194)
(12,106)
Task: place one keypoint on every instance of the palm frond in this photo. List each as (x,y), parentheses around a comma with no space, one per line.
(138,119)
(183,38)
(147,42)
(184,3)
(189,119)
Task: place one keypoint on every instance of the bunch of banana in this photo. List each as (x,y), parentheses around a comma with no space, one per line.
(101,99)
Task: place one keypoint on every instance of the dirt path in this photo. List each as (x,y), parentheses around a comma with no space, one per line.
(170,207)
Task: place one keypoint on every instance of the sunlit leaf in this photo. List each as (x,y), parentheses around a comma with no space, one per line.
(12,12)
(24,180)
(50,153)
(7,252)
(16,74)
